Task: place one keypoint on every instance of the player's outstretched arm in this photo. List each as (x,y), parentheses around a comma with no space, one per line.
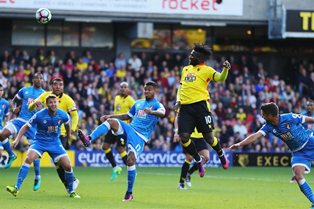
(220,77)
(34,105)
(248,140)
(158,113)
(119,116)
(308,119)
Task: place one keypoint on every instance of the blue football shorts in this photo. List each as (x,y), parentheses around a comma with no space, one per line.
(304,156)
(135,143)
(54,149)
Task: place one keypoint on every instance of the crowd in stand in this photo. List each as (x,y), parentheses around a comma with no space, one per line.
(94,83)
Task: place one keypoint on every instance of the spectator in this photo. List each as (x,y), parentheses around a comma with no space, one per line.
(135,62)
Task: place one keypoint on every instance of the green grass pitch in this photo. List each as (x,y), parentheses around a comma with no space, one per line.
(236,188)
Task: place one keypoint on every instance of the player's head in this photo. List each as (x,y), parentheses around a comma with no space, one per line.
(38,80)
(1,90)
(57,86)
(150,89)
(124,89)
(270,112)
(310,106)
(52,102)
(199,53)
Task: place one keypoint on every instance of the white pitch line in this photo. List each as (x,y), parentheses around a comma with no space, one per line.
(222,177)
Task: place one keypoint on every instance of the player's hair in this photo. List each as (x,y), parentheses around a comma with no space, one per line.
(151,83)
(55,79)
(270,108)
(37,74)
(203,49)
(1,86)
(50,96)
(124,83)
(310,102)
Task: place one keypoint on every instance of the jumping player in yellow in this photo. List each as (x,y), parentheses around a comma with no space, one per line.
(192,96)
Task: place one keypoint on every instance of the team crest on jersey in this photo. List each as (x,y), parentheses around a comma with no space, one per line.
(141,114)
(59,121)
(274,131)
(118,107)
(45,121)
(26,92)
(3,105)
(190,77)
(29,100)
(288,126)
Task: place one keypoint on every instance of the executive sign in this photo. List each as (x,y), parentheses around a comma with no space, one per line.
(262,159)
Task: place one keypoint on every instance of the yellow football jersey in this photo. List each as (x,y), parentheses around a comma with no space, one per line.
(65,103)
(122,104)
(194,83)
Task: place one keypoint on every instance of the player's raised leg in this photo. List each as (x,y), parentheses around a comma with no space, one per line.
(215,144)
(98,132)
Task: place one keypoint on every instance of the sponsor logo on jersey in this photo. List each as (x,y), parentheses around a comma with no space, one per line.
(190,77)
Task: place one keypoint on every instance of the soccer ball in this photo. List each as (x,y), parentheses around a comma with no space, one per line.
(43,15)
